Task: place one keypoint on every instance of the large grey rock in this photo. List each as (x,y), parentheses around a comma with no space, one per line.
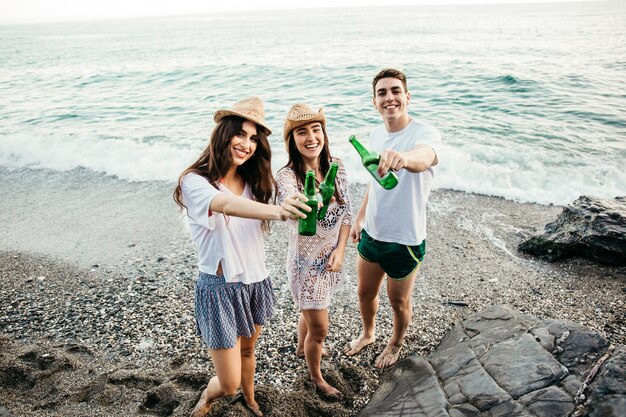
(608,397)
(590,227)
(409,389)
(510,409)
(522,365)
(579,347)
(474,385)
(548,402)
(500,362)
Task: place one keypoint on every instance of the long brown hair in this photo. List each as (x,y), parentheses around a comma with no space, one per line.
(296,163)
(216,159)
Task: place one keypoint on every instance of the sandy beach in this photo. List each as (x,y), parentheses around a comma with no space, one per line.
(97,287)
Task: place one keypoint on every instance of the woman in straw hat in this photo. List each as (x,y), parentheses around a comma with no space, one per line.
(225,196)
(314,263)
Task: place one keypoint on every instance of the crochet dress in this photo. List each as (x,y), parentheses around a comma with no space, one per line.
(312,286)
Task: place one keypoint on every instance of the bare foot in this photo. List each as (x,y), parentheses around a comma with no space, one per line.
(203,406)
(326,389)
(389,356)
(253,406)
(357,345)
(300,353)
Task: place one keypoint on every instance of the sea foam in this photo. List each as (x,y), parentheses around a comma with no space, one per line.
(521,176)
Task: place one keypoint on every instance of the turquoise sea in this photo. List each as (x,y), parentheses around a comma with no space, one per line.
(530,99)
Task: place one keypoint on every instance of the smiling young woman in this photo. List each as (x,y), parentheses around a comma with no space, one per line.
(226,198)
(314,263)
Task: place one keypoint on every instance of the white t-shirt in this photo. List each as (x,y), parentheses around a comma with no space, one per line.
(399,215)
(234,241)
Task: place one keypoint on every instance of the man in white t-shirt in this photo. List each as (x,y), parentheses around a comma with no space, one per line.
(390,227)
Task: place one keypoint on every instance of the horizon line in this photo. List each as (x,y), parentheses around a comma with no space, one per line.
(196,13)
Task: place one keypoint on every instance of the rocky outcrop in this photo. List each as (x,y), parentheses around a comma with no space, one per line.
(502,363)
(608,391)
(589,227)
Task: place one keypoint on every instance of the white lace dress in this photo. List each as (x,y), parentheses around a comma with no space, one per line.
(312,286)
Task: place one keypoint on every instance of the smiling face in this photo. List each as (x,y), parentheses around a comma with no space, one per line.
(309,140)
(244,143)
(392,101)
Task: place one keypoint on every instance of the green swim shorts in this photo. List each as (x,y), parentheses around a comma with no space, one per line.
(397,260)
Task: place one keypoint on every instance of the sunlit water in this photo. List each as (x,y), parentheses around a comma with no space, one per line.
(530,99)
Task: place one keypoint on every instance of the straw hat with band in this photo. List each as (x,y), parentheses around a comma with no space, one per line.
(250,108)
(301,114)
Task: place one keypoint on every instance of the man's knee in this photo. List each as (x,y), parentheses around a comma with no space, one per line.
(366,294)
(400,305)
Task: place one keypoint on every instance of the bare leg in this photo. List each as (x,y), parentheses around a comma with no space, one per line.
(371,277)
(248,366)
(228,379)
(317,324)
(302,331)
(400,293)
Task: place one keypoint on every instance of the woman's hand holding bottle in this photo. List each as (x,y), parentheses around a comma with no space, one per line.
(294,207)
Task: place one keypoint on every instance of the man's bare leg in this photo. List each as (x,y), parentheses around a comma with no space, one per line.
(400,294)
(371,277)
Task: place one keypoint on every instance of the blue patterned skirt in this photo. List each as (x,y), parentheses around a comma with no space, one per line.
(226,311)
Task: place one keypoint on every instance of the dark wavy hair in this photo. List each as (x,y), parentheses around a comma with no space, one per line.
(296,163)
(216,159)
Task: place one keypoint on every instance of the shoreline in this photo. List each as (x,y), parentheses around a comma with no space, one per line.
(107,265)
(87,218)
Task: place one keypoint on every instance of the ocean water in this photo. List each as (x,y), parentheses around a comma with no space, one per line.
(530,99)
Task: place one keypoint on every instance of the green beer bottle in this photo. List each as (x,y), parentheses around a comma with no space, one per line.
(370,159)
(306,227)
(327,189)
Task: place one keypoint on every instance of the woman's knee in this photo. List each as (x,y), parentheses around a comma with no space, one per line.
(247,351)
(230,387)
(317,332)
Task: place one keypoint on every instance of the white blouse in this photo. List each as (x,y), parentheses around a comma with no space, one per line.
(235,242)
